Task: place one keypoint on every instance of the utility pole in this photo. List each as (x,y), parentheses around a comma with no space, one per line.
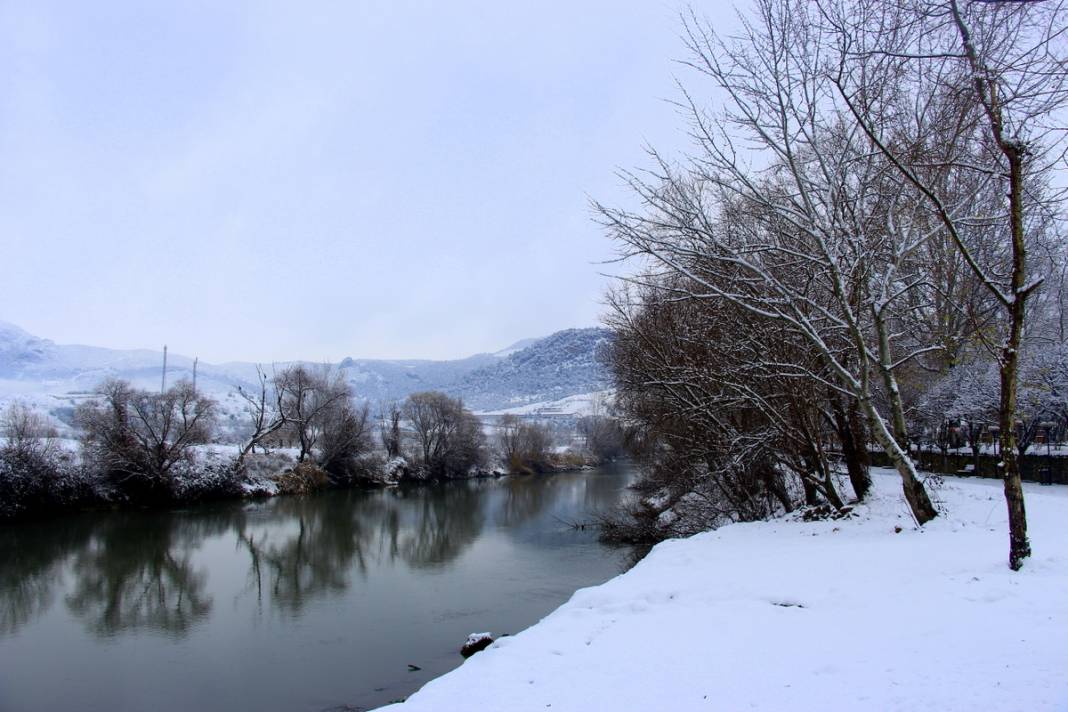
(163,378)
(196,360)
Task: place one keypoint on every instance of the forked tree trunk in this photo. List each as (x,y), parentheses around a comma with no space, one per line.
(854,451)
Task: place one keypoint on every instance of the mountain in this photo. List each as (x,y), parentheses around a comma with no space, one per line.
(517,346)
(54,378)
(380,380)
(19,349)
(566,363)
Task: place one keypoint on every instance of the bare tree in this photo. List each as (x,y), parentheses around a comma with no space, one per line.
(819,238)
(524,446)
(389,421)
(307,395)
(964,92)
(346,435)
(139,436)
(449,437)
(509,437)
(26,431)
(603,435)
(710,422)
(265,412)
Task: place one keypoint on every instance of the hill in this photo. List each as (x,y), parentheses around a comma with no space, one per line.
(54,378)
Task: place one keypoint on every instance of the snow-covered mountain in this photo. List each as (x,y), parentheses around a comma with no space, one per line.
(54,378)
(566,363)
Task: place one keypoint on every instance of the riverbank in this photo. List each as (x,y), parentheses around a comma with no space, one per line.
(56,481)
(865,613)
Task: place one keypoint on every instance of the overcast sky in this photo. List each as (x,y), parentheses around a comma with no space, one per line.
(267,181)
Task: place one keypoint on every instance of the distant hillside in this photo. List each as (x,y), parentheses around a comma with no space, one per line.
(379,381)
(53,377)
(563,364)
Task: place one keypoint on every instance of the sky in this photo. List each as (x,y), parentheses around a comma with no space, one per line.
(271,181)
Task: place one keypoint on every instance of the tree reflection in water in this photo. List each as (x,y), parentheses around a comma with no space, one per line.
(330,537)
(448,520)
(526,497)
(131,571)
(31,566)
(309,547)
(141,579)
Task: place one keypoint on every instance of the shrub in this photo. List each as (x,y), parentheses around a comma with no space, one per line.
(33,481)
(206,476)
(305,478)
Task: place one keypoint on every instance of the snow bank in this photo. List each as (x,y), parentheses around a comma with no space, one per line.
(791,615)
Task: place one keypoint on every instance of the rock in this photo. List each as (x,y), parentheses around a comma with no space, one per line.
(475,643)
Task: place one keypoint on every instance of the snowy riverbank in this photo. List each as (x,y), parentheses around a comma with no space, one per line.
(791,615)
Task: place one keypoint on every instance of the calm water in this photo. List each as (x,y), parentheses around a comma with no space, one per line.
(294,604)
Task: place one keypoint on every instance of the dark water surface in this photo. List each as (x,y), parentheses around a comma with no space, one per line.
(293,604)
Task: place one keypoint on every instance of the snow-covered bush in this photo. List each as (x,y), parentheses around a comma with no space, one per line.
(961,406)
(723,435)
(207,475)
(36,481)
(395,469)
(36,473)
(264,465)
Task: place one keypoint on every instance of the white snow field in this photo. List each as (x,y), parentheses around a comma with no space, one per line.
(793,615)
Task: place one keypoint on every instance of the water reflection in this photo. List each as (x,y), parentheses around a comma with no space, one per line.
(149,571)
(31,561)
(526,498)
(306,548)
(128,581)
(438,528)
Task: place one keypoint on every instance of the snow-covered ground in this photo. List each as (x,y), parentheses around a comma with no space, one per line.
(791,615)
(578,405)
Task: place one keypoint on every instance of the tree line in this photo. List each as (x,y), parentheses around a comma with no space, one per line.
(868,217)
(302,429)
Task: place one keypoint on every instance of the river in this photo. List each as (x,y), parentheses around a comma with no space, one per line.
(325,602)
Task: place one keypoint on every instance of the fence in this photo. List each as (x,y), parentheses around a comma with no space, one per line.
(1033,467)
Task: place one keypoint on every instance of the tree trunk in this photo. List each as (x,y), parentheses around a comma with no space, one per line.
(915,493)
(895,443)
(774,484)
(812,497)
(853,450)
(1014,151)
(1019,546)
(820,472)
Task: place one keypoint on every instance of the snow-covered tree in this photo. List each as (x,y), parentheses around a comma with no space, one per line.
(1043,393)
(138,438)
(815,236)
(968,93)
